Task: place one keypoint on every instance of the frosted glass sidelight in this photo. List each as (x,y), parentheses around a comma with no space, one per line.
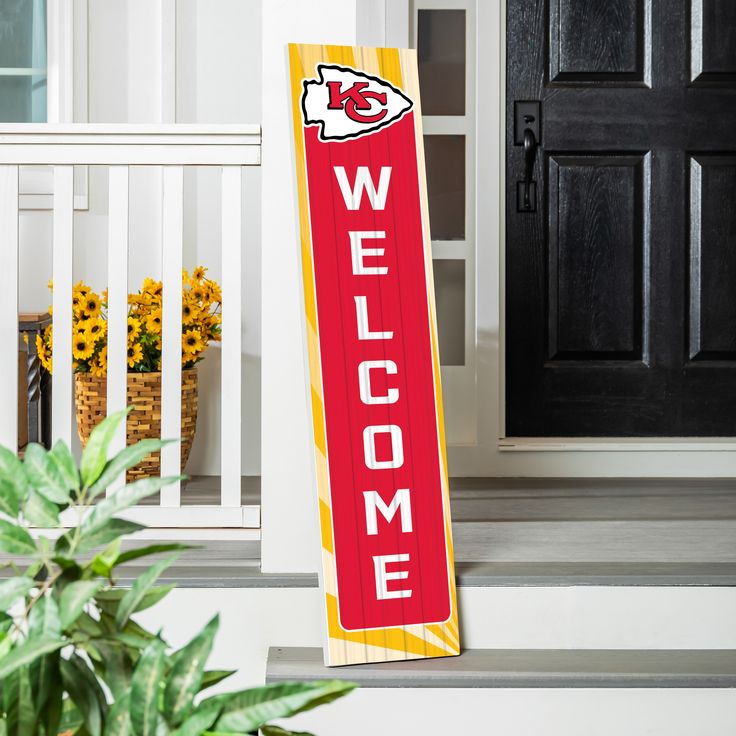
(445,160)
(449,288)
(441,54)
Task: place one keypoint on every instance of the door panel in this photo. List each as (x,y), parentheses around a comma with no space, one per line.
(596,41)
(712,266)
(595,257)
(713,41)
(621,284)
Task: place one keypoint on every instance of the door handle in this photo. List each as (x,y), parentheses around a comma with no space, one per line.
(527,133)
(530,152)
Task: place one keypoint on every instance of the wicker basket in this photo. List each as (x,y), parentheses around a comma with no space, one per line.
(144,395)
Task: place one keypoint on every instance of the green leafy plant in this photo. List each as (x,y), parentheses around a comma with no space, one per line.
(73,660)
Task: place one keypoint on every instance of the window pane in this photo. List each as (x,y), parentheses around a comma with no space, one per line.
(445,161)
(23,61)
(449,290)
(441,54)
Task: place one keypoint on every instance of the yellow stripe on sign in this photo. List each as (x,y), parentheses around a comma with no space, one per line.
(396,639)
(325,523)
(340,55)
(390,66)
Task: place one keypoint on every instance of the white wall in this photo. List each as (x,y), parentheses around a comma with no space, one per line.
(132,48)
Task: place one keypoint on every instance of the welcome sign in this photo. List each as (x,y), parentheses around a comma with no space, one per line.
(388,575)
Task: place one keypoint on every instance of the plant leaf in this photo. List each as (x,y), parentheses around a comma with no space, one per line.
(28,652)
(43,621)
(71,717)
(125,459)
(118,668)
(133,597)
(152,549)
(121,500)
(12,589)
(67,467)
(25,713)
(51,709)
(278,731)
(118,719)
(200,720)
(103,563)
(12,470)
(248,710)
(74,597)
(8,498)
(15,540)
(110,531)
(83,688)
(185,677)
(40,511)
(94,456)
(44,474)
(210,678)
(145,689)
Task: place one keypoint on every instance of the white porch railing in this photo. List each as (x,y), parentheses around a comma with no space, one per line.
(171,147)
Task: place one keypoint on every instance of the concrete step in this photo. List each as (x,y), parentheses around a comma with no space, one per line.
(521,668)
(525,693)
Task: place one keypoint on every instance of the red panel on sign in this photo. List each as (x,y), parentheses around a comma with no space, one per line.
(372,311)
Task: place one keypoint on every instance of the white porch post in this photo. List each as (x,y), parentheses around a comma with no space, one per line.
(290,540)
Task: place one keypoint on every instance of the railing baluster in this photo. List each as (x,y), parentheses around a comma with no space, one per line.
(171,265)
(9,314)
(230,432)
(63,258)
(117,301)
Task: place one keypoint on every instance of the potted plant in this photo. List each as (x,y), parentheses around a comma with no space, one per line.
(201,320)
(72,658)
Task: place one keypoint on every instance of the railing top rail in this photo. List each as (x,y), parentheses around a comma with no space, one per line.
(130,144)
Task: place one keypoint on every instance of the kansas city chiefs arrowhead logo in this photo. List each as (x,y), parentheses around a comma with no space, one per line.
(346,103)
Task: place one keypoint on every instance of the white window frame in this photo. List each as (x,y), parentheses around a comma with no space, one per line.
(67,47)
(459,382)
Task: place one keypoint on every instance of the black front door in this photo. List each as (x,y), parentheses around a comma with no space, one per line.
(621,283)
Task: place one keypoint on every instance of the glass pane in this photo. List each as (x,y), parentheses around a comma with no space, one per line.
(449,291)
(441,54)
(23,61)
(445,160)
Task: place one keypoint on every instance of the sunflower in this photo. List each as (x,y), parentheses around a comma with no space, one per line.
(135,354)
(198,293)
(191,342)
(199,273)
(134,329)
(189,313)
(82,288)
(91,305)
(154,288)
(96,328)
(98,364)
(153,322)
(82,347)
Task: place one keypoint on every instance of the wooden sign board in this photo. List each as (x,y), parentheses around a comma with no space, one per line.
(387,562)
